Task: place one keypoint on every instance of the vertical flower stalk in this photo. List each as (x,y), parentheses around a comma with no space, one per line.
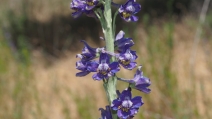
(110,85)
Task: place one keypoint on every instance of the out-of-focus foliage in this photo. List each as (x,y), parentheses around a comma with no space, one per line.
(31,30)
(60,32)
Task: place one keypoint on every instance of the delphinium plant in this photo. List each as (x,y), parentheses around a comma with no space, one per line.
(117,53)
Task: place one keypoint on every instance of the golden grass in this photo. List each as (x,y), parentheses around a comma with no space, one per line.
(50,90)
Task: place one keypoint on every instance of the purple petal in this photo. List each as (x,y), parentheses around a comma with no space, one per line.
(143,88)
(114,66)
(123,114)
(76,14)
(106,114)
(97,76)
(129,2)
(104,58)
(120,35)
(124,43)
(90,49)
(90,13)
(129,7)
(137,7)
(92,66)
(119,114)
(130,66)
(115,104)
(81,65)
(84,73)
(133,112)
(137,102)
(121,9)
(144,81)
(126,94)
(88,7)
(79,56)
(133,18)
(134,54)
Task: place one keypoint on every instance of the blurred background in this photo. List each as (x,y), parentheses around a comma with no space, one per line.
(39,41)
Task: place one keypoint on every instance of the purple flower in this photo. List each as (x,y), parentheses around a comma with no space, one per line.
(88,53)
(105,68)
(78,6)
(125,105)
(90,4)
(128,10)
(106,114)
(86,67)
(122,43)
(83,6)
(127,59)
(139,81)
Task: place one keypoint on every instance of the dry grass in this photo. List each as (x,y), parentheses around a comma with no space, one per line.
(48,89)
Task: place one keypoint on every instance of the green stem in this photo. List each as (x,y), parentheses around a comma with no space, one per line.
(114,21)
(110,86)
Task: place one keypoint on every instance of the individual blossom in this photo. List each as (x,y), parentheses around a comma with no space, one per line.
(122,43)
(127,59)
(105,69)
(78,6)
(139,82)
(106,114)
(88,53)
(83,6)
(125,105)
(128,10)
(90,4)
(86,67)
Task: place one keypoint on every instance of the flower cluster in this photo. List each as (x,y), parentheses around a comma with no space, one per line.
(104,63)
(103,69)
(83,6)
(125,57)
(127,11)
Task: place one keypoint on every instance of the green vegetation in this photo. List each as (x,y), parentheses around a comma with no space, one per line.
(31,89)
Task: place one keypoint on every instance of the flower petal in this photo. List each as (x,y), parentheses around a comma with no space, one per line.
(114,66)
(130,66)
(76,14)
(84,73)
(81,65)
(133,18)
(92,66)
(143,88)
(120,35)
(87,48)
(88,7)
(97,76)
(106,114)
(115,104)
(104,58)
(137,102)
(137,7)
(126,94)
